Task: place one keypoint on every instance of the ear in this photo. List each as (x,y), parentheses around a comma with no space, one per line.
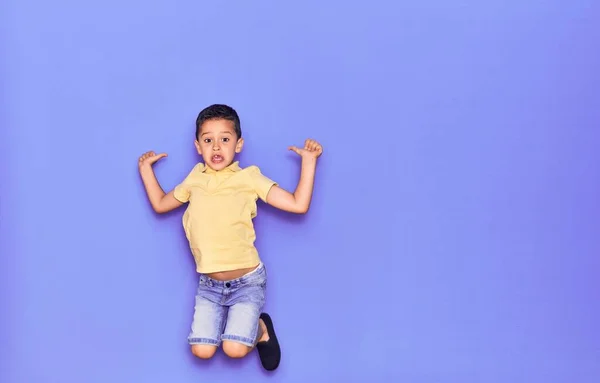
(197,145)
(239,145)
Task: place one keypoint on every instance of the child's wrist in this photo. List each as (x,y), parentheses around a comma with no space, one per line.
(146,169)
(309,160)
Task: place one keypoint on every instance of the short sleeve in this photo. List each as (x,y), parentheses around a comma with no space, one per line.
(182,191)
(260,183)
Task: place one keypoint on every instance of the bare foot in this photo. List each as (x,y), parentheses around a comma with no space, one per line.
(265,334)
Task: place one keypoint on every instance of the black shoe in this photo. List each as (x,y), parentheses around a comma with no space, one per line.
(269,351)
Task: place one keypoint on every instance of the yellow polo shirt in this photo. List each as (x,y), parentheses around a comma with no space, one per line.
(218,219)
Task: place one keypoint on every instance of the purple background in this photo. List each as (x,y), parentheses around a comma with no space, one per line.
(454,231)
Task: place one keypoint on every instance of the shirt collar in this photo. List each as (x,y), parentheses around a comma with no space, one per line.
(234,167)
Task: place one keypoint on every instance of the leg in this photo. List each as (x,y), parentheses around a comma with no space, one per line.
(266,342)
(242,330)
(208,323)
(247,297)
(203,351)
(235,349)
(247,327)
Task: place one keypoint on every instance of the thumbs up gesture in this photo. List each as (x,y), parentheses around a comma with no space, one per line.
(311,149)
(149,158)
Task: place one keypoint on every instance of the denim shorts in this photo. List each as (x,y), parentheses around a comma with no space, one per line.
(228,310)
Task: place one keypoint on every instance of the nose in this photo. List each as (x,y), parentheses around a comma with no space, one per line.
(216,146)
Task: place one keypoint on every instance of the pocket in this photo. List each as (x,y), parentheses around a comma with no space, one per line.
(201,286)
(258,279)
(254,291)
(204,284)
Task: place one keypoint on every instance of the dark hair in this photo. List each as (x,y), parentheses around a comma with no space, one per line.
(219,112)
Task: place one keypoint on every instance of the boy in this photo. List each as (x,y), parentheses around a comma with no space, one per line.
(218,225)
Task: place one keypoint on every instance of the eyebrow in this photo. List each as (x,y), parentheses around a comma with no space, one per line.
(225,132)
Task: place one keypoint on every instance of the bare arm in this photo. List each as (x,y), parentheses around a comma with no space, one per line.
(299,201)
(161,202)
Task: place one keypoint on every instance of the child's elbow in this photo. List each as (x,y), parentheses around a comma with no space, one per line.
(159,209)
(302,210)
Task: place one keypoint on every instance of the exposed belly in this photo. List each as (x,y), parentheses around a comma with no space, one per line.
(233,274)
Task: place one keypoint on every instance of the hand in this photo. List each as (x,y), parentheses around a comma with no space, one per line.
(149,158)
(312,149)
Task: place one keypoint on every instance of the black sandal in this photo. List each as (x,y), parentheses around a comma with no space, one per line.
(269,351)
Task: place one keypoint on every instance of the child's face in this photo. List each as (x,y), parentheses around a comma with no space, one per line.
(217,143)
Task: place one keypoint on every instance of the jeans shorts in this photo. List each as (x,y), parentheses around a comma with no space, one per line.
(228,310)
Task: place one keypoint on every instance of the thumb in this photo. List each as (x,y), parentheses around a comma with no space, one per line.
(294,149)
(158,157)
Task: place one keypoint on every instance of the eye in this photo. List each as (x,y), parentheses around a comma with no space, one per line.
(207,140)
(225,139)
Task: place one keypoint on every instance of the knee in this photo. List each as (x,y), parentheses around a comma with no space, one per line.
(203,351)
(235,350)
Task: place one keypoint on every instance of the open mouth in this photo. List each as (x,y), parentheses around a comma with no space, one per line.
(217,158)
